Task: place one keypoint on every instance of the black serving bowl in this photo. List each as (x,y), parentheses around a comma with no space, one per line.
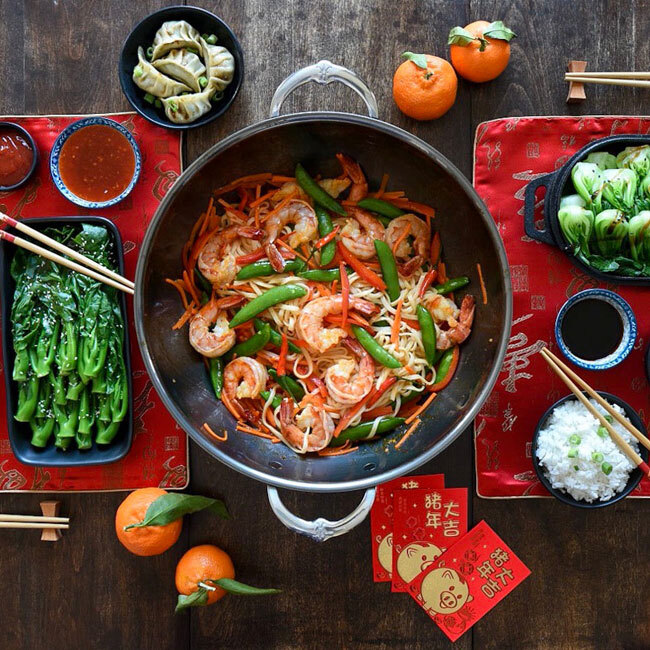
(12,126)
(20,432)
(143,34)
(559,184)
(635,476)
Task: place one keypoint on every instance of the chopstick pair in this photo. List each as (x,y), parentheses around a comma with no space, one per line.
(29,521)
(636,79)
(92,269)
(567,375)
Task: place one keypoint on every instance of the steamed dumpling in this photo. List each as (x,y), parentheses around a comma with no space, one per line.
(155,82)
(182,65)
(187,108)
(220,64)
(173,35)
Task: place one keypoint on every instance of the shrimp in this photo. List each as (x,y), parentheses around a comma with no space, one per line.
(352,170)
(310,322)
(333,186)
(343,384)
(361,244)
(420,234)
(244,378)
(209,331)
(302,215)
(310,430)
(460,328)
(216,261)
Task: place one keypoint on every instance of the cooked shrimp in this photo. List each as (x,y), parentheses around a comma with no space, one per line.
(311,431)
(460,328)
(216,261)
(420,236)
(344,384)
(362,244)
(244,377)
(303,217)
(352,170)
(333,186)
(310,322)
(209,331)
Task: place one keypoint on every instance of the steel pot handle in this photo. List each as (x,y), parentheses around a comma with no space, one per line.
(320,529)
(529,211)
(324,72)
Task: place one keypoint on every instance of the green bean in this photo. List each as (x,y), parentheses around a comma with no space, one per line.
(321,275)
(217,96)
(137,71)
(262,268)
(149,98)
(428,331)
(252,345)
(383,208)
(602,432)
(444,365)
(376,351)
(216,375)
(325,227)
(149,52)
(193,50)
(276,337)
(607,468)
(361,431)
(575,439)
(267,299)
(316,192)
(212,39)
(573,452)
(597,457)
(388,269)
(203,81)
(452,285)
(157,103)
(275,402)
(290,385)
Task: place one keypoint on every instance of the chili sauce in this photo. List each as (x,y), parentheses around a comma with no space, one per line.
(16,157)
(592,329)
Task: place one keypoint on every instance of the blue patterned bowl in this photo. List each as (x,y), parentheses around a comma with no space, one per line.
(56,153)
(629,329)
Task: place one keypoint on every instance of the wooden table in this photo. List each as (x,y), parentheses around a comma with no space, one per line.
(588,584)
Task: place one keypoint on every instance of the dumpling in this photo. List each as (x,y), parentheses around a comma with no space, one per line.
(155,82)
(187,108)
(173,35)
(182,65)
(220,64)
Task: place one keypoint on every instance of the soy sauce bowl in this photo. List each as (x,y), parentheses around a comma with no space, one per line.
(629,326)
(26,135)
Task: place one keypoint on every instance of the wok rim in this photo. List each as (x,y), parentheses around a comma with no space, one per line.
(466,186)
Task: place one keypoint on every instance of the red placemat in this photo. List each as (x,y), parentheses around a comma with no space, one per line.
(159,455)
(508,153)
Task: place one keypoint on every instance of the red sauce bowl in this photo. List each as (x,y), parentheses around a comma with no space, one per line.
(16,167)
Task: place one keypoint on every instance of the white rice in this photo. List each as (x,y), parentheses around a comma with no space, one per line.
(588,482)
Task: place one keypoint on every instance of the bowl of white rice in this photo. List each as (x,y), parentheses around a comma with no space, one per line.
(577,461)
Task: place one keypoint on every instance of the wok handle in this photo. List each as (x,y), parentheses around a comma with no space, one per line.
(529,211)
(320,529)
(324,72)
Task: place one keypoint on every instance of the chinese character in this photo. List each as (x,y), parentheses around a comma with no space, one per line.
(451,509)
(450,528)
(503,575)
(490,588)
(433,519)
(410,485)
(485,569)
(433,500)
(499,556)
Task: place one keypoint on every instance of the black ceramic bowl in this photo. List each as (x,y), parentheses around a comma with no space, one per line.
(557,185)
(635,476)
(19,432)
(143,34)
(11,126)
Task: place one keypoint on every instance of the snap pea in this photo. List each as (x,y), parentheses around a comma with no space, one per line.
(383,208)
(444,365)
(388,269)
(267,299)
(289,384)
(381,323)
(385,221)
(409,397)
(428,330)
(325,227)
(277,400)
(149,98)
(376,351)
(452,285)
(321,275)
(276,337)
(252,345)
(216,375)
(203,282)
(263,267)
(363,430)
(316,192)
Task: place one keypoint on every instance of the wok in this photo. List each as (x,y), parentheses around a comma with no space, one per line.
(469,236)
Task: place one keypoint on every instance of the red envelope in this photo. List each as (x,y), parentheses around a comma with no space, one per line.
(381,520)
(425,524)
(467,581)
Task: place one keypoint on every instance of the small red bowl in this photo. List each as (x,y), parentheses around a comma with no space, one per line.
(12,126)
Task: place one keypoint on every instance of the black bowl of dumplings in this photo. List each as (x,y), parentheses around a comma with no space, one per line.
(181,67)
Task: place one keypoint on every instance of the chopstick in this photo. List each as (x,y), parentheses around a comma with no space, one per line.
(623,446)
(580,77)
(610,75)
(35,519)
(43,252)
(22,525)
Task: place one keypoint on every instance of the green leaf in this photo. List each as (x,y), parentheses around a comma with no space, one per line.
(240,589)
(498,30)
(197,598)
(172,506)
(419,59)
(460,36)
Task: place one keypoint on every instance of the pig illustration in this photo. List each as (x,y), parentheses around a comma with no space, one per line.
(385,553)
(444,591)
(415,558)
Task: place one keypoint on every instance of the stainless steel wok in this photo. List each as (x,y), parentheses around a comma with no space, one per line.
(469,236)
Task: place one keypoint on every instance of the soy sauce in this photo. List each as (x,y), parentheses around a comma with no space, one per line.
(592,329)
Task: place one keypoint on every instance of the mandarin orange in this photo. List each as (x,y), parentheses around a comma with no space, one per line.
(200,564)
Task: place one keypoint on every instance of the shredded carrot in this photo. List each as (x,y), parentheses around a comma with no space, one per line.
(261,199)
(394,330)
(381,390)
(276,178)
(408,409)
(408,433)
(450,373)
(180,287)
(221,438)
(291,250)
(253,432)
(413,206)
(345,295)
(401,238)
(282,361)
(191,287)
(422,408)
(336,451)
(382,186)
(480,279)
(334,285)
(252,180)
(362,269)
(442,273)
(392,195)
(377,412)
(183,319)
(230,406)
(280,205)
(409,369)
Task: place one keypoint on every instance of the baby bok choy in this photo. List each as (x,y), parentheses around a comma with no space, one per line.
(577,225)
(586,179)
(610,231)
(639,234)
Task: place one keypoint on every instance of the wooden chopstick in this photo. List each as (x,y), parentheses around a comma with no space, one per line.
(21,524)
(35,519)
(611,75)
(62,248)
(43,252)
(586,387)
(623,446)
(607,81)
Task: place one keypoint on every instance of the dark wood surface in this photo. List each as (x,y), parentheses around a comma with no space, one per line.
(589,568)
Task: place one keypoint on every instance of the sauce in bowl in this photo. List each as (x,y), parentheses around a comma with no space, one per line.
(97,163)
(16,157)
